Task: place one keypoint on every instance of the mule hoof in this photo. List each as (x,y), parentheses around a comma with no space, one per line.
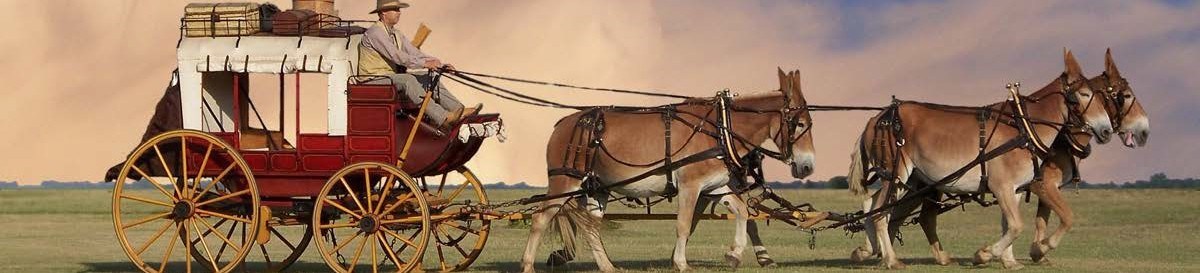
(559,258)
(942,258)
(767,262)
(859,255)
(1013,265)
(896,265)
(1038,251)
(733,260)
(982,257)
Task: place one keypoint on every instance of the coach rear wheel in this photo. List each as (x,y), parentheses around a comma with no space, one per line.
(458,235)
(188,183)
(376,208)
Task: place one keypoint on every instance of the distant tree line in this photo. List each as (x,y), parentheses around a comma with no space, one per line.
(1156,181)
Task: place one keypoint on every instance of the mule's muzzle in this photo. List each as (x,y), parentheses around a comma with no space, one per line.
(1135,138)
(1103,134)
(802,169)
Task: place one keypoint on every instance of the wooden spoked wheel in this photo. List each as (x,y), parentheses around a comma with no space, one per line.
(196,184)
(371,217)
(458,235)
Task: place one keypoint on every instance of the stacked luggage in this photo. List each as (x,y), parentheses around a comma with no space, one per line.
(307,18)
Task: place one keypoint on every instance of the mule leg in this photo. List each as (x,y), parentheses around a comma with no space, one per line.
(760,250)
(928,220)
(541,220)
(688,193)
(1011,224)
(1037,251)
(1066,217)
(741,215)
(870,248)
(888,257)
(591,230)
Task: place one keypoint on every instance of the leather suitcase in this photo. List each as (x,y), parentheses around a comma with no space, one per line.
(221,19)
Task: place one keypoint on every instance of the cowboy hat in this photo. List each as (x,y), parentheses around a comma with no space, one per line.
(382,5)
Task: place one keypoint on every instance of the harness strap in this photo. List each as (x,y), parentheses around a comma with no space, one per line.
(697,157)
(668,115)
(984,115)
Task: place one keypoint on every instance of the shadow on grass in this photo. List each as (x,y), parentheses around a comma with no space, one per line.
(127,266)
(666,264)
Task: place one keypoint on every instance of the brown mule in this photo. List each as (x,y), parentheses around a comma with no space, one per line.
(1060,168)
(1131,124)
(931,142)
(630,143)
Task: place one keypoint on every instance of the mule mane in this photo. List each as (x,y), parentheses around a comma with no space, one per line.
(765,100)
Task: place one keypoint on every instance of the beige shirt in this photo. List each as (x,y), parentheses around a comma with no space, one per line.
(383,48)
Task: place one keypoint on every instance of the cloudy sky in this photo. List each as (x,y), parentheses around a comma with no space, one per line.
(81,77)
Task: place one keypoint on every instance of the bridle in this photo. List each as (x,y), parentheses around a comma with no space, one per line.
(789,120)
(1115,98)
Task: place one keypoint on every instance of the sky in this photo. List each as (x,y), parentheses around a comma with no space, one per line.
(80,78)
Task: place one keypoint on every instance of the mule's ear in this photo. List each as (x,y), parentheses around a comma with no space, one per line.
(1073,71)
(1110,66)
(783,80)
(797,90)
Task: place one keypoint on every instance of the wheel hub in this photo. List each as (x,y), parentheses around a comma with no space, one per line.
(368,224)
(183,210)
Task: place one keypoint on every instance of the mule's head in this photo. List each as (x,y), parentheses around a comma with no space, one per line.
(794,134)
(1128,117)
(1085,104)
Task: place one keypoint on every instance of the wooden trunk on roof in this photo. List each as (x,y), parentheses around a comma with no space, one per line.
(221,19)
(319,6)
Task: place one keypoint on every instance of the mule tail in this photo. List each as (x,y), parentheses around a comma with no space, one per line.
(856,178)
(567,224)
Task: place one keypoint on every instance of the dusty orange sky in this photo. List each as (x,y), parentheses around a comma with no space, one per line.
(81,77)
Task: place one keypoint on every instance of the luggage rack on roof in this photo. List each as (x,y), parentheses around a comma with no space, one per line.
(319,25)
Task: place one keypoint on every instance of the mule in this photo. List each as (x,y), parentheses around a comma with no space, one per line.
(1060,168)
(617,163)
(934,141)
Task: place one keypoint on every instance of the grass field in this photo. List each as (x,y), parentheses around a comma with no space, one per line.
(1116,231)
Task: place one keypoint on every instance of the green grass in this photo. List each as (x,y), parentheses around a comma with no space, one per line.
(1115,231)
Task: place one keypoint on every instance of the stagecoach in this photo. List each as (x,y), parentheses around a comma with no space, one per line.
(377,190)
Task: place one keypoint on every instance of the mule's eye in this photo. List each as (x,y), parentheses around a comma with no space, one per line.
(1127,95)
(1085,95)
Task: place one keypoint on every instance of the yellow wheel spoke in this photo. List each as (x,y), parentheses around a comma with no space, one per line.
(214,230)
(340,207)
(215,181)
(216,214)
(154,238)
(183,165)
(367,183)
(387,187)
(146,220)
(329,226)
(218,199)
(337,248)
(374,256)
(170,248)
(388,249)
(167,169)
(397,204)
(200,237)
(352,195)
(460,227)
(187,246)
(398,237)
(154,182)
(406,220)
(200,173)
(358,254)
(458,191)
(147,200)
